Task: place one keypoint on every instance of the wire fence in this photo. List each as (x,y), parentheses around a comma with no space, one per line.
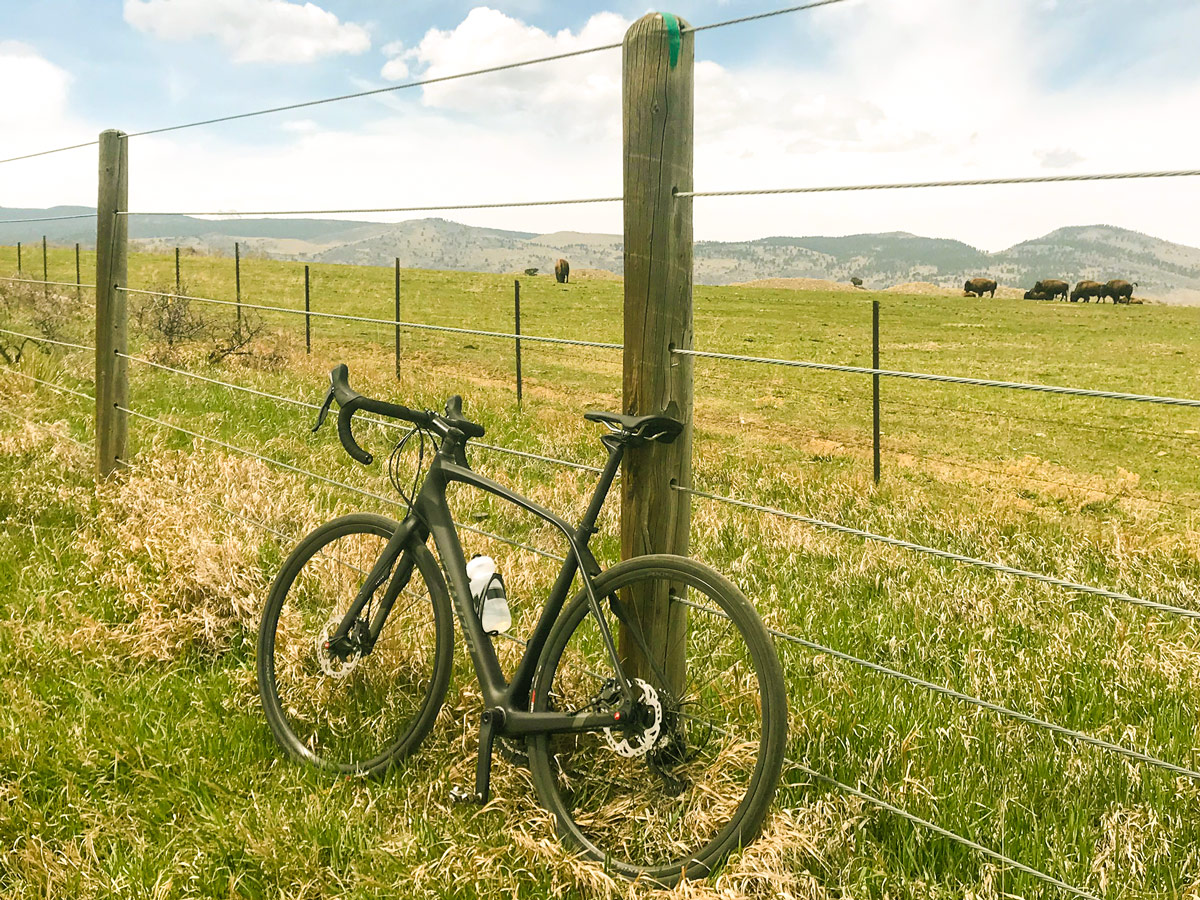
(744,506)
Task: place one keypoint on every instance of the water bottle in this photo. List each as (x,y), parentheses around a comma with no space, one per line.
(487,590)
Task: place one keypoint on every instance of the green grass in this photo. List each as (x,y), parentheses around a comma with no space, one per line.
(134,760)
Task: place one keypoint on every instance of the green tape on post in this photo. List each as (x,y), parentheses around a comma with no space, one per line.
(672,23)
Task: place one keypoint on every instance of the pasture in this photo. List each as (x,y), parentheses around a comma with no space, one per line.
(134,757)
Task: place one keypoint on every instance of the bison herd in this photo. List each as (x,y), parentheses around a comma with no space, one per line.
(1118,290)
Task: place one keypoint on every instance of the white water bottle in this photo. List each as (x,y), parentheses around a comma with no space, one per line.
(487,590)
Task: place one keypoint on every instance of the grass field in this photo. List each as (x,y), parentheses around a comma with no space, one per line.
(134,760)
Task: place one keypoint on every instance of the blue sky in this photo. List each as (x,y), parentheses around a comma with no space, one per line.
(859,92)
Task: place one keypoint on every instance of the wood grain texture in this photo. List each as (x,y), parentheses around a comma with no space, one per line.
(112,246)
(658,113)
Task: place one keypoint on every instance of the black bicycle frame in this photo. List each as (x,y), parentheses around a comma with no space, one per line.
(508,701)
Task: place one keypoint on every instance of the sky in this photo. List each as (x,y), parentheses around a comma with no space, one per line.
(859,92)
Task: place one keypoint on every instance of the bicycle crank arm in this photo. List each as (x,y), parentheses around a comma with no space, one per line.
(489,722)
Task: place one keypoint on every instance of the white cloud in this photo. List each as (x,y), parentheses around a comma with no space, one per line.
(252,30)
(905,92)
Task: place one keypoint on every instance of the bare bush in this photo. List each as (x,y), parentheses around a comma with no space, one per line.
(168,319)
(37,308)
(236,341)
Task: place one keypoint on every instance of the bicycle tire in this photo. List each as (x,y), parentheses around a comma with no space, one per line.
(608,804)
(322,710)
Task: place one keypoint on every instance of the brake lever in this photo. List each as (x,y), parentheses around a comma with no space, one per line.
(324,410)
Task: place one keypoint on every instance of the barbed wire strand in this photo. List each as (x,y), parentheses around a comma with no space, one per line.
(42,281)
(946,554)
(385,209)
(311,406)
(326,479)
(970,182)
(391,323)
(943,690)
(944,379)
(46,340)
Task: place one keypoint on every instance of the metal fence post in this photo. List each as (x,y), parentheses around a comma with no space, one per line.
(657,101)
(237,277)
(112,233)
(517,332)
(45,270)
(19,272)
(875,384)
(178,280)
(307,317)
(397,318)
(78,279)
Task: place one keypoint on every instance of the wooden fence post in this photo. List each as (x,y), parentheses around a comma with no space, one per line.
(517,332)
(657,103)
(875,386)
(112,233)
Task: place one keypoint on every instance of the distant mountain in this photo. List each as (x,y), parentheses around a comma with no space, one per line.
(1163,270)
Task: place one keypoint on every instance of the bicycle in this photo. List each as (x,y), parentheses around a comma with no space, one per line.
(652,704)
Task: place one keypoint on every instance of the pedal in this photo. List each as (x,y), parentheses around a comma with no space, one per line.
(459,796)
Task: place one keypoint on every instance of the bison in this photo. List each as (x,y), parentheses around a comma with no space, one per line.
(1053,288)
(979,286)
(1086,290)
(1036,295)
(562,271)
(1119,290)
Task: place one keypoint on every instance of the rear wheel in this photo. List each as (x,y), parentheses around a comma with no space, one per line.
(353,712)
(693,774)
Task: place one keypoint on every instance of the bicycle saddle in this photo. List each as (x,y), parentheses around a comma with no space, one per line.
(647,428)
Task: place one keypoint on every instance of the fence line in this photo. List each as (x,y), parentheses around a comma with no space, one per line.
(375,421)
(43,281)
(50,384)
(327,480)
(385,209)
(971,182)
(943,379)
(91,215)
(85,445)
(391,323)
(946,554)
(46,340)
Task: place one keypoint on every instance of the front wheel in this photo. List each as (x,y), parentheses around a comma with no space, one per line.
(692,775)
(355,712)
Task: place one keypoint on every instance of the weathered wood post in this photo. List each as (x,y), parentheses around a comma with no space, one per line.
(657,111)
(112,233)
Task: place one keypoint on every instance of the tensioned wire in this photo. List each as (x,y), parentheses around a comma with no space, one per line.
(422,82)
(51,218)
(332,481)
(946,554)
(46,340)
(375,421)
(43,281)
(825,779)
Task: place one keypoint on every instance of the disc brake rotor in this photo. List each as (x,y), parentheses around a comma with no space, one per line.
(641,742)
(331,665)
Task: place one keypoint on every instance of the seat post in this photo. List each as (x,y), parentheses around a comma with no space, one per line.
(616,450)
